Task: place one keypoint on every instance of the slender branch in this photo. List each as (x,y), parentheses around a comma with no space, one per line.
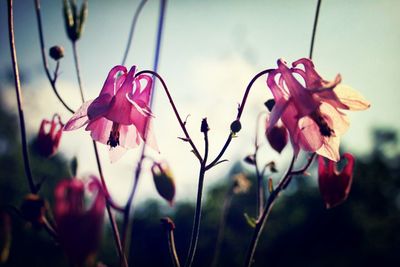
(127,224)
(171,101)
(169,227)
(264,215)
(314,28)
(302,170)
(78,72)
(132,30)
(44,57)
(113,222)
(240,111)
(33,188)
(196,221)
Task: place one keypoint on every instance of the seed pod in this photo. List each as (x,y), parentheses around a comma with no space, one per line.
(164,181)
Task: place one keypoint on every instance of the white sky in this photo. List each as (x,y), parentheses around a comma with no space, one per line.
(210,51)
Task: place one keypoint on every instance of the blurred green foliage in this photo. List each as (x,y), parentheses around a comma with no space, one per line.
(364,231)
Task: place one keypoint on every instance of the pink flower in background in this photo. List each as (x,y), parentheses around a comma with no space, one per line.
(120,115)
(49,136)
(333,185)
(311,107)
(79,229)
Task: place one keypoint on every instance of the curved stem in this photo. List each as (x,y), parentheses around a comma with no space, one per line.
(264,215)
(44,57)
(171,101)
(33,188)
(314,28)
(132,30)
(78,72)
(196,220)
(240,111)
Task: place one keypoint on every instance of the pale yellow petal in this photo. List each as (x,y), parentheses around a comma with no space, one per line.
(351,97)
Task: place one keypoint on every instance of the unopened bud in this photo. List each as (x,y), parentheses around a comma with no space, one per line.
(277,137)
(56,52)
(164,181)
(204,126)
(236,126)
(33,209)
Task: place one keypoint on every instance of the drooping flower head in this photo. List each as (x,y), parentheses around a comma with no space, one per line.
(79,229)
(48,139)
(333,185)
(311,108)
(120,115)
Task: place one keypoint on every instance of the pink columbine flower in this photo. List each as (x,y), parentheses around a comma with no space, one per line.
(120,115)
(333,185)
(311,107)
(79,229)
(49,136)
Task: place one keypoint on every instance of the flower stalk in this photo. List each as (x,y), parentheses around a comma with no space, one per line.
(28,172)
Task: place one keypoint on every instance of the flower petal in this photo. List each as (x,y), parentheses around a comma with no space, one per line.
(79,119)
(351,98)
(99,106)
(100,130)
(116,153)
(330,148)
(109,84)
(336,120)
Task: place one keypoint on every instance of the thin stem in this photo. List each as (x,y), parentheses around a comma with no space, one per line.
(240,111)
(222,222)
(78,72)
(264,215)
(172,248)
(196,220)
(44,57)
(113,222)
(33,188)
(127,224)
(259,175)
(314,28)
(132,30)
(171,101)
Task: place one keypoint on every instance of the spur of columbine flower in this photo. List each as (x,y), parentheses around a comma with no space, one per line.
(120,115)
(311,108)
(334,185)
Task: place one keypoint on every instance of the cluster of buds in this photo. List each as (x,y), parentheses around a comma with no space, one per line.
(74,21)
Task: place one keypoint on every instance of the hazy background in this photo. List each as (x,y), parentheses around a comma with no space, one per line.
(210,51)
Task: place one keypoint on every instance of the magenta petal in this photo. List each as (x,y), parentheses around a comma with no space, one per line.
(100,130)
(99,106)
(79,119)
(109,84)
(116,153)
(143,95)
(129,137)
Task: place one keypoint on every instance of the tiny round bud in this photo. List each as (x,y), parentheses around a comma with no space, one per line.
(236,126)
(56,52)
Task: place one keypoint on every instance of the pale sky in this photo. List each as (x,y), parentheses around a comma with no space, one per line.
(210,51)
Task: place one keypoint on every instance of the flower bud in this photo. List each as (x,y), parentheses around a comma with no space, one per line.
(334,185)
(204,126)
(56,52)
(236,126)
(250,159)
(164,181)
(33,209)
(277,137)
(48,140)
